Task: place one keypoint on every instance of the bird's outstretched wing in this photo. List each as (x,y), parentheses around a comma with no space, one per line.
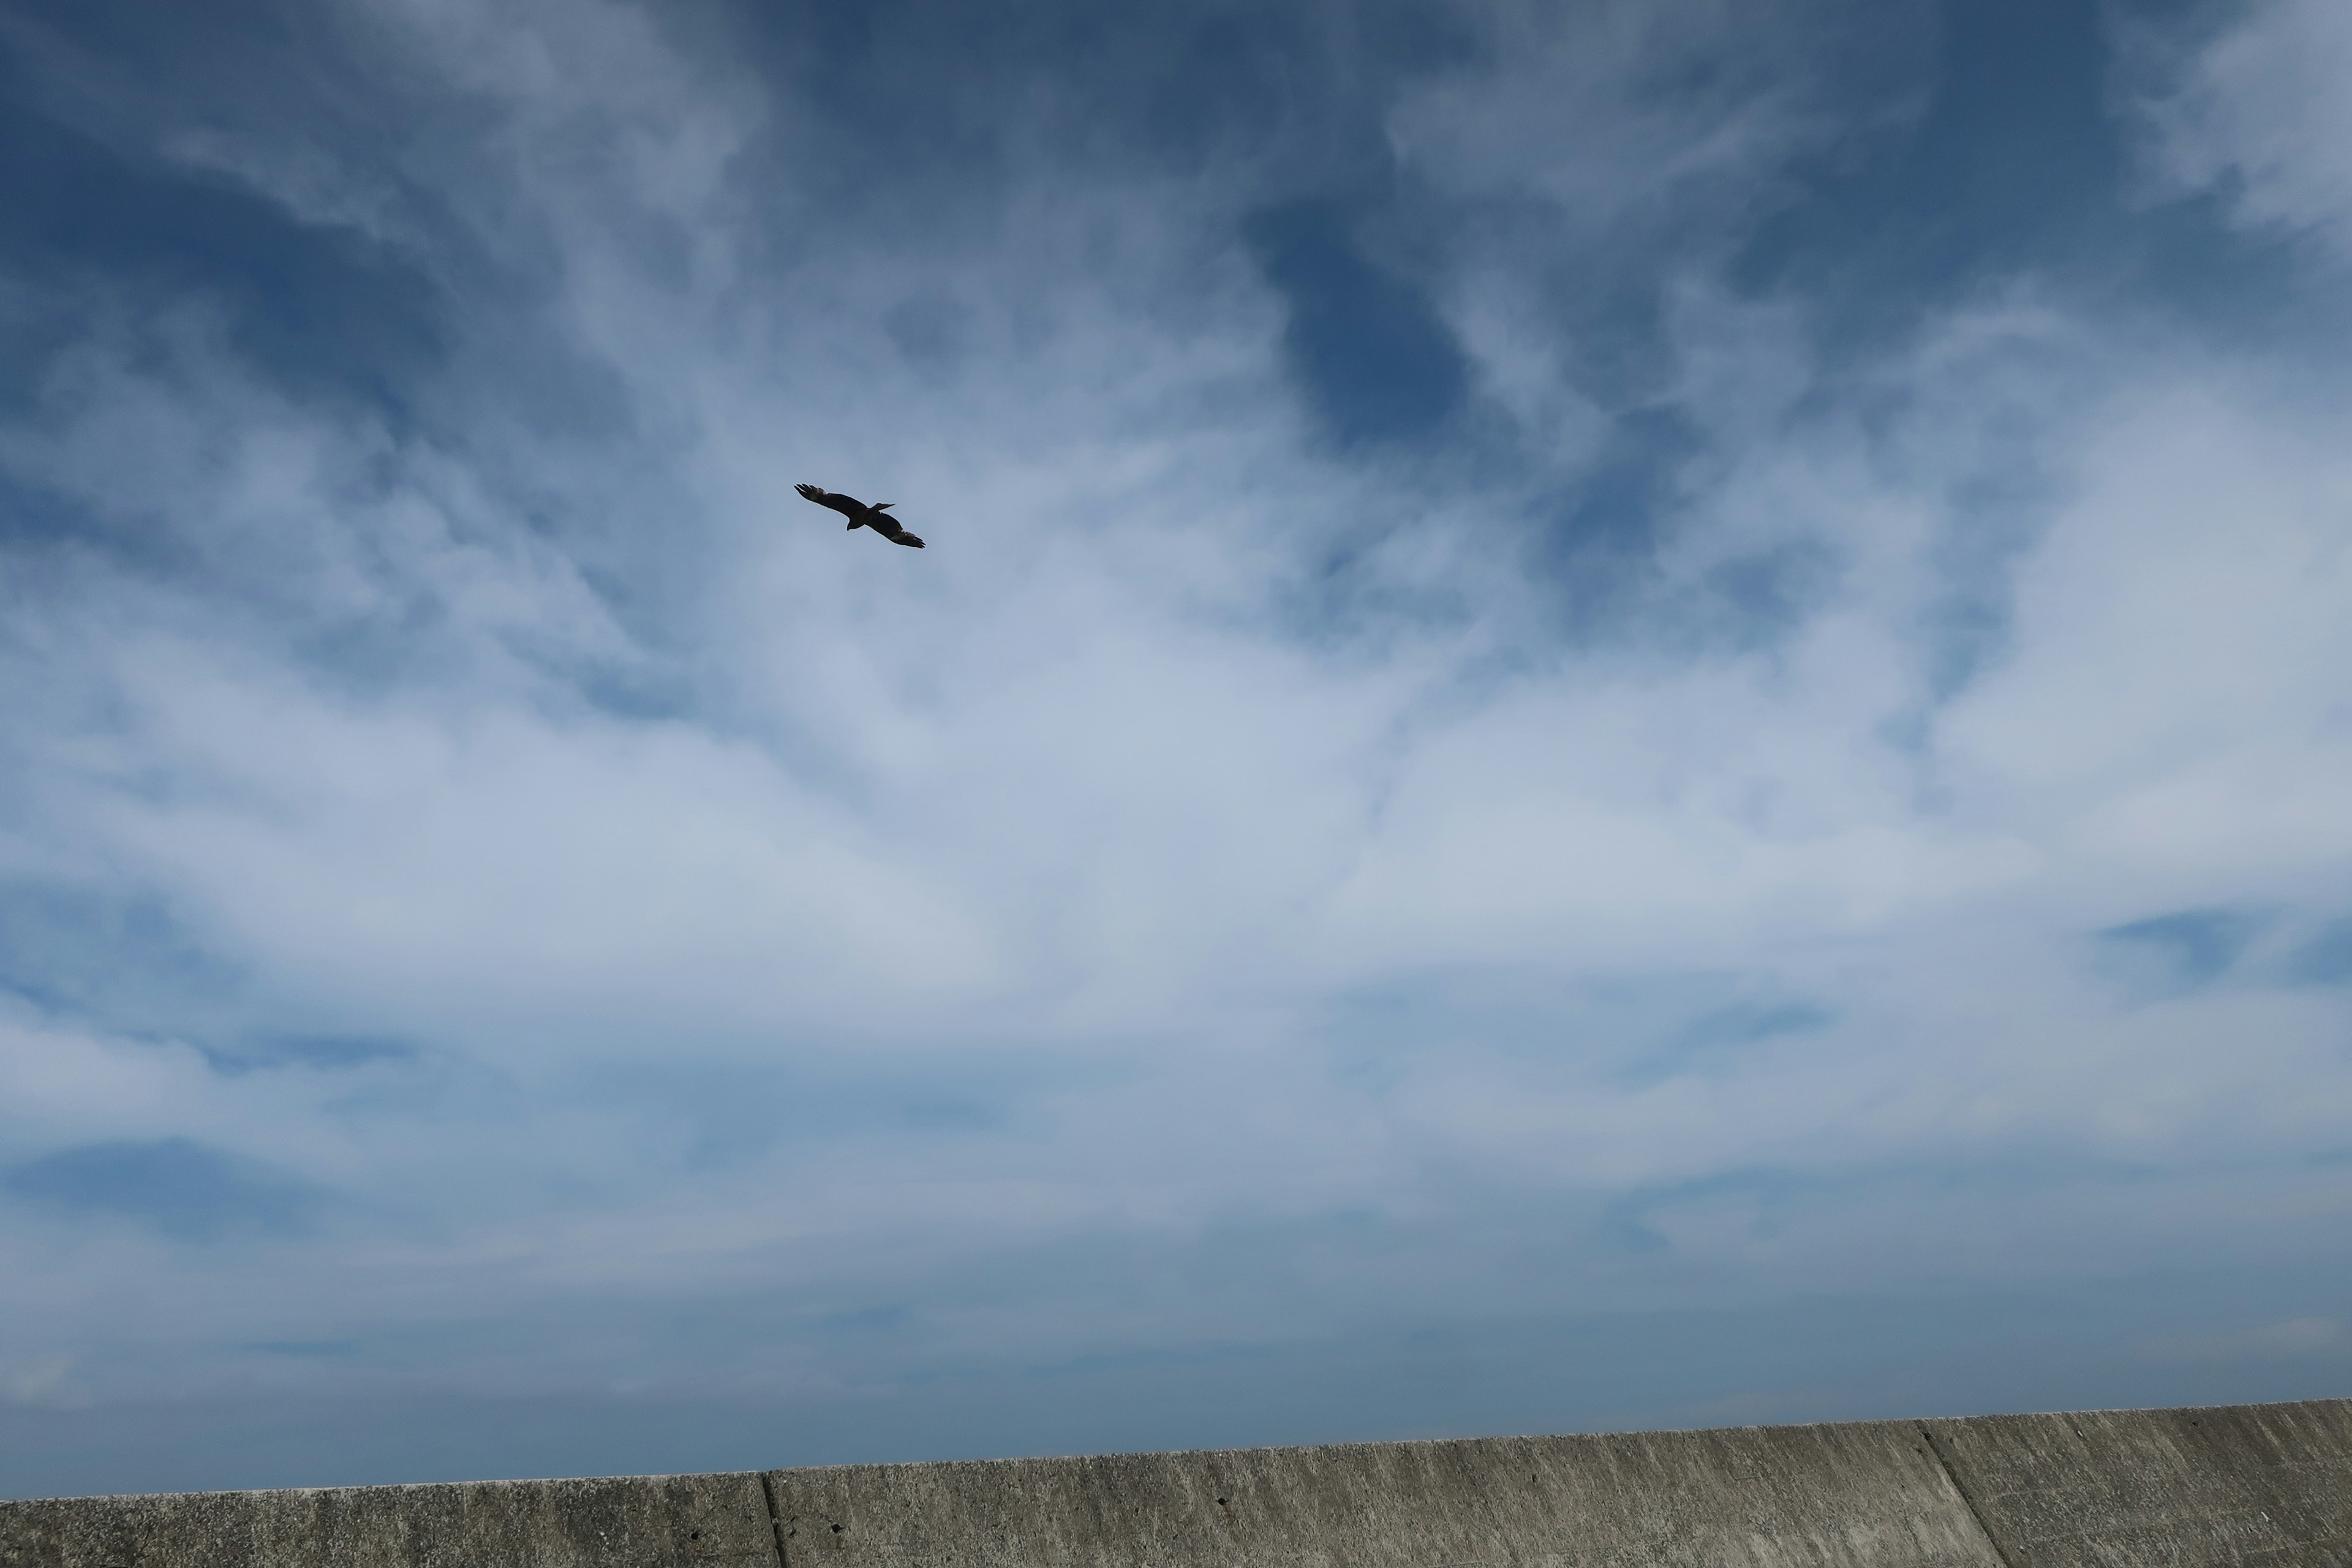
(847,506)
(889,528)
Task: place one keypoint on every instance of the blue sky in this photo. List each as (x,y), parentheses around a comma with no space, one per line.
(1620,715)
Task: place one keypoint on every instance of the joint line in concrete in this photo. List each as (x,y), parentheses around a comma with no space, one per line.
(775,1519)
(1967,1499)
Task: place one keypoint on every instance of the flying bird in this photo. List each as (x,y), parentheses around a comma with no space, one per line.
(860,515)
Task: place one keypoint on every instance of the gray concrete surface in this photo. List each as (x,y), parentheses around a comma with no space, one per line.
(664,1521)
(2185,1489)
(1829,1495)
(2235,1484)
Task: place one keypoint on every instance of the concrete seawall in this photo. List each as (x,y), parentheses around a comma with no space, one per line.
(2268,1484)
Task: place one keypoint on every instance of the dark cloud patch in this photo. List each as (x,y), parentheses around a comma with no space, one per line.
(1747,1024)
(706,1117)
(1370,356)
(930,331)
(1769,1199)
(1598,535)
(1759,598)
(324,1053)
(126,960)
(179,1186)
(2179,952)
(867,1321)
(1715,1040)
(40,530)
(1997,514)
(1614,510)
(640,694)
(2327,958)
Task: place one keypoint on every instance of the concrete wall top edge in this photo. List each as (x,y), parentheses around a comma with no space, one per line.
(1371,1443)
(1362,1443)
(2188,1488)
(385,1487)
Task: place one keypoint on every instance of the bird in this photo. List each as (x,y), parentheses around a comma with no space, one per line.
(860,515)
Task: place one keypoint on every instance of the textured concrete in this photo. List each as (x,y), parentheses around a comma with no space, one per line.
(2237,1484)
(2185,1489)
(665,1521)
(1827,1495)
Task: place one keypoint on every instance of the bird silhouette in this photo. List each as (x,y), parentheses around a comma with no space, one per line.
(860,515)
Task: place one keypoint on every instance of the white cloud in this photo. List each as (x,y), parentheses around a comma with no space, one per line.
(2172,703)
(1621,114)
(2259,112)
